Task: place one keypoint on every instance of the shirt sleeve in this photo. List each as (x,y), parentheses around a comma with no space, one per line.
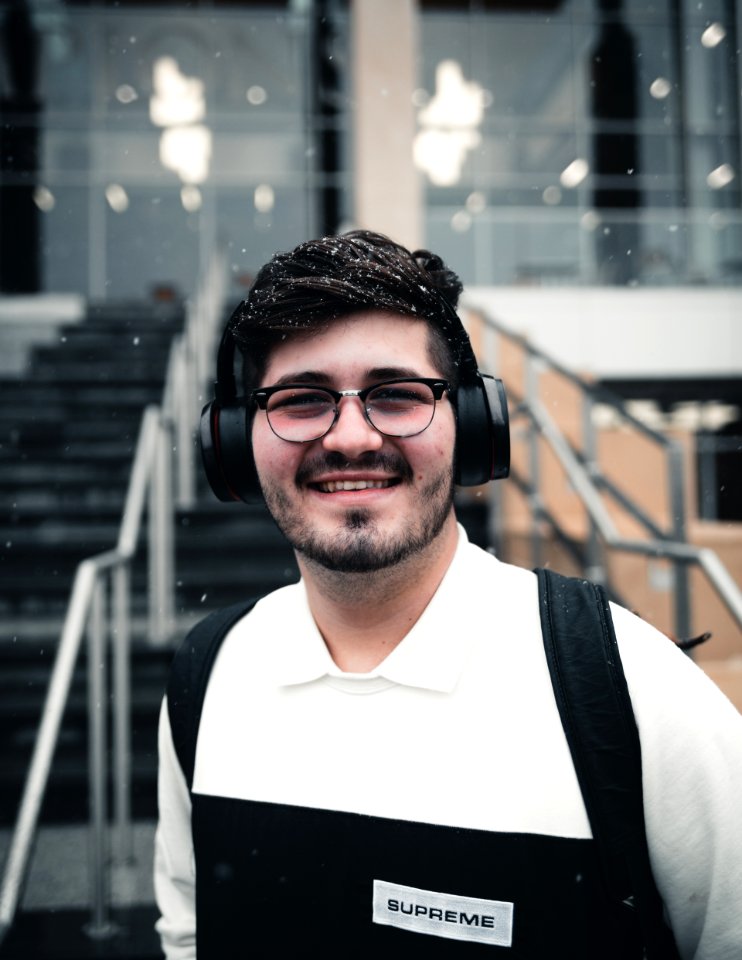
(175,873)
(691,741)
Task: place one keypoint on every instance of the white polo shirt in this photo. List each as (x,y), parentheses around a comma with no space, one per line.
(458,726)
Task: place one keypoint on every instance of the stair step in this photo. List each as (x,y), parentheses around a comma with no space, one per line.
(134,311)
(39,539)
(53,427)
(73,496)
(50,578)
(83,375)
(108,396)
(82,346)
(24,472)
(14,420)
(77,514)
(70,451)
(59,877)
(60,935)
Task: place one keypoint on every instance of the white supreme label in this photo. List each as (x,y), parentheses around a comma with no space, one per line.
(443,914)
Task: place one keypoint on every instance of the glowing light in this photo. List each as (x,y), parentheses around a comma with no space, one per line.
(660,88)
(177,99)
(190,197)
(590,220)
(44,199)
(461,221)
(574,173)
(126,93)
(713,35)
(476,202)
(552,195)
(117,197)
(457,104)
(721,176)
(187,151)
(449,123)
(256,95)
(264,198)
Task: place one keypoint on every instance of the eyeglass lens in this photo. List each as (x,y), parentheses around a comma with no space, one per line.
(396,410)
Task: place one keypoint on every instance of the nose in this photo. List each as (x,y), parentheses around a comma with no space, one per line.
(352,434)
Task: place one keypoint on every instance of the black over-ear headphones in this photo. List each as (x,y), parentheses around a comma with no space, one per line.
(482,426)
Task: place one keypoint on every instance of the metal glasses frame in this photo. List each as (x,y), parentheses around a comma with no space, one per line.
(438,387)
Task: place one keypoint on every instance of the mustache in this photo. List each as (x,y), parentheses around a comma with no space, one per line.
(332,461)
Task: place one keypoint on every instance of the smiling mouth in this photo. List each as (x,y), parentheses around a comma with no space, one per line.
(336,486)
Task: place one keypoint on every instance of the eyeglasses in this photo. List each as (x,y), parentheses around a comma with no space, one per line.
(397,408)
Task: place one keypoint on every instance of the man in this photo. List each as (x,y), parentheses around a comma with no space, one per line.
(381,766)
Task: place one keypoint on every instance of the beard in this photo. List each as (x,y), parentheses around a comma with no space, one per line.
(359,545)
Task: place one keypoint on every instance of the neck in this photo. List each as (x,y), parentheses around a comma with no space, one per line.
(363,616)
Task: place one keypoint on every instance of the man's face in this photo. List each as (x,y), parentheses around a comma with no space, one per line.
(403,488)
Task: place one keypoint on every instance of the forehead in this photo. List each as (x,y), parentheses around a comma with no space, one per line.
(362,347)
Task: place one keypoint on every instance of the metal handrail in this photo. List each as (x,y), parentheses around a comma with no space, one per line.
(585,480)
(151,473)
(587,491)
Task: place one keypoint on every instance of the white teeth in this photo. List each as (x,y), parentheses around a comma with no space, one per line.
(333,486)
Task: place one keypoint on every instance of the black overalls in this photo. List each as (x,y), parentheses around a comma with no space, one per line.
(284,881)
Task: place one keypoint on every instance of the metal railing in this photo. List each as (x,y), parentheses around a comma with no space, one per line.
(100,609)
(592,486)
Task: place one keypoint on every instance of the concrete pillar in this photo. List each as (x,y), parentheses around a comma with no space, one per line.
(387,186)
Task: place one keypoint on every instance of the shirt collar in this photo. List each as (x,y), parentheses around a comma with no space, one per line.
(431,656)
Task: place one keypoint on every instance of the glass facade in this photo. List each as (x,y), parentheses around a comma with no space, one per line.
(164,132)
(572,142)
(607,149)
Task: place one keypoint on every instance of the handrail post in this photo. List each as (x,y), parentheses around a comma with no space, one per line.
(199,338)
(122,712)
(183,396)
(681,596)
(100,926)
(161,540)
(595,569)
(707,483)
(534,457)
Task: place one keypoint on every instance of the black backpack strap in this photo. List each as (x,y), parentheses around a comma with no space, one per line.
(598,720)
(189,676)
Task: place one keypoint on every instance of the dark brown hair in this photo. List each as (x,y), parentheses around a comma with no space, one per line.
(322,280)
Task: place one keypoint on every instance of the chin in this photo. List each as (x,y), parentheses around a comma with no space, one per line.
(362,548)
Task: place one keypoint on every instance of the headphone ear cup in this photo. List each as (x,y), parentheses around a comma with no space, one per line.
(226,452)
(497,402)
(482,432)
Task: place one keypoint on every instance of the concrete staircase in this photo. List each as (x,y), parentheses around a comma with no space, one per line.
(67,432)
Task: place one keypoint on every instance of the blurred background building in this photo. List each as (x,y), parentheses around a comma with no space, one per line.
(577,162)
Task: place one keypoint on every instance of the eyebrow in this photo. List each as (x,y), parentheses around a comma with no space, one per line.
(318,377)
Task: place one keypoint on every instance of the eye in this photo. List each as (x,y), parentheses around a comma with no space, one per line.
(400,397)
(299,403)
